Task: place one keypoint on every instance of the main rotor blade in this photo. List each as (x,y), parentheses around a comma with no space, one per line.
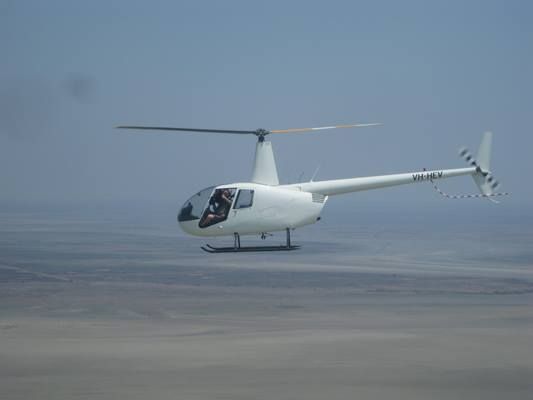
(320,128)
(167,128)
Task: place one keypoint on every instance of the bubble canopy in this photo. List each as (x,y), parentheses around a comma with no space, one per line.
(194,207)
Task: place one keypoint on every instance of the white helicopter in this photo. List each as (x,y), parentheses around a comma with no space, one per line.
(263,205)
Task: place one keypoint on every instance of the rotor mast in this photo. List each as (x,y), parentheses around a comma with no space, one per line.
(264,171)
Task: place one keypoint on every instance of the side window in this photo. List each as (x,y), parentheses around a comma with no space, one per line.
(245,199)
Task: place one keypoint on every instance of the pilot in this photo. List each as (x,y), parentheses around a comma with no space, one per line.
(218,208)
(226,198)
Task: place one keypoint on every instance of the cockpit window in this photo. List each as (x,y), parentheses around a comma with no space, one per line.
(245,199)
(192,209)
(218,207)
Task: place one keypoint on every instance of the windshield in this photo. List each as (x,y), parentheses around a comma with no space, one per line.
(193,208)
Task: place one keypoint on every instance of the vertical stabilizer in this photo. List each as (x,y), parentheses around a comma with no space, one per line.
(482,177)
(483,154)
(265,171)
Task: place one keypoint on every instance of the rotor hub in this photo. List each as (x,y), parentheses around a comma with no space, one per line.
(261,133)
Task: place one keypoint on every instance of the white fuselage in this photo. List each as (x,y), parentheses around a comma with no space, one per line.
(274,208)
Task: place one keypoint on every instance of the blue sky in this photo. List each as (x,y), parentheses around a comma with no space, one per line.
(437,74)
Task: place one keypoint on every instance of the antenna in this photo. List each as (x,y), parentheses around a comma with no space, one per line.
(314,174)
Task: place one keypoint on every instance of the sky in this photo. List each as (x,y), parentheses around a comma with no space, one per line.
(436,74)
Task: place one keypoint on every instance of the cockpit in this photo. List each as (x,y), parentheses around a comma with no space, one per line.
(210,206)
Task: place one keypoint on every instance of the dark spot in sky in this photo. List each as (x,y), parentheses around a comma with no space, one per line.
(80,87)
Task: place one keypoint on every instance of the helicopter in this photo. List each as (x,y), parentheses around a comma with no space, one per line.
(263,205)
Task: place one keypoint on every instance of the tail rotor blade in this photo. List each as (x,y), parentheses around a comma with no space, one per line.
(465,154)
(494,184)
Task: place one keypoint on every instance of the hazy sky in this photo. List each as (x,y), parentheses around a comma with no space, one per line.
(437,74)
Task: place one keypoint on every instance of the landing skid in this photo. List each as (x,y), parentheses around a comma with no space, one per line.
(248,249)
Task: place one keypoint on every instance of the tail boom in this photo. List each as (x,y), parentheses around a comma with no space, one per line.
(341,186)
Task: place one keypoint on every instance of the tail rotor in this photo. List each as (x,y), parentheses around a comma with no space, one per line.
(483,177)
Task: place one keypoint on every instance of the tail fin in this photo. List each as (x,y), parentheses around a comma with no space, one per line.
(482,177)
(483,153)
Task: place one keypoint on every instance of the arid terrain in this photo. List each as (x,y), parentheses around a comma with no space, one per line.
(106,309)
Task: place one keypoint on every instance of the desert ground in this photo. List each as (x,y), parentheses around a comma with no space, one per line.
(96,308)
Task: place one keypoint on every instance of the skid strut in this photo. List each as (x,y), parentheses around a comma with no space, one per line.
(237,248)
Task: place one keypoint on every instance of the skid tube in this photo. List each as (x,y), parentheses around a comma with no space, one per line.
(237,248)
